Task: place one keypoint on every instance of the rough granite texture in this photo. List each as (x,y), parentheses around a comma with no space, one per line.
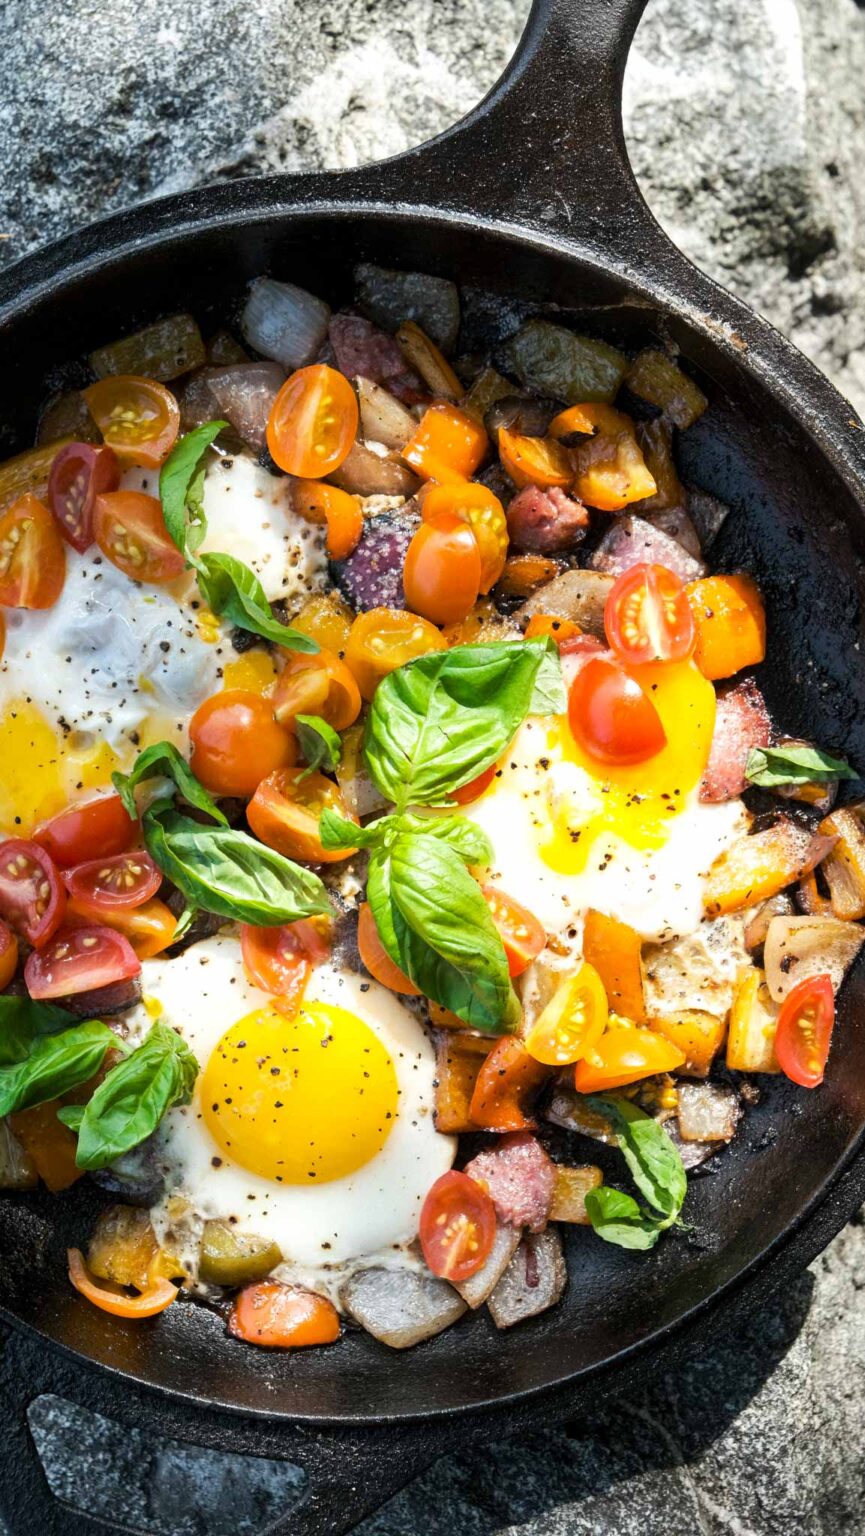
(746,125)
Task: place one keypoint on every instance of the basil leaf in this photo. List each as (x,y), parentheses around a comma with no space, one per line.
(439,721)
(795,764)
(181,487)
(435,925)
(653,1161)
(466,839)
(163,761)
(549,696)
(225,871)
(233,591)
(133,1097)
(22,1022)
(617,1218)
(338,832)
(71,1115)
(319,743)
(54,1064)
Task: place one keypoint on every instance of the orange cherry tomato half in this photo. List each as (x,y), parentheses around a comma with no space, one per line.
(32,898)
(320,684)
(507,1079)
(322,503)
(484,513)
(457,1227)
(313,422)
(520,932)
(625,1054)
(149,928)
(32,556)
(91,829)
(79,474)
(611,717)
(160,1293)
(376,958)
(647,616)
(286,809)
(121,880)
(448,444)
(804,1031)
(383,639)
(535,460)
(130,530)
(572,1022)
(442,571)
(280,960)
(283,1317)
(138,418)
(8,955)
(236,742)
(475,787)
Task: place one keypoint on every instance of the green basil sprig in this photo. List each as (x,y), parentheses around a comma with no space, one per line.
(163,761)
(181,487)
(439,721)
(466,839)
(796,763)
(233,591)
(225,871)
(22,1021)
(52,1063)
(657,1170)
(319,743)
(132,1098)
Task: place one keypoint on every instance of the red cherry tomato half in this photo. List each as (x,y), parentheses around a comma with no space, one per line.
(611,717)
(32,556)
(647,616)
(8,955)
(123,880)
(130,530)
(804,1031)
(80,960)
(457,1227)
(280,960)
(519,930)
(475,787)
(32,898)
(93,829)
(79,474)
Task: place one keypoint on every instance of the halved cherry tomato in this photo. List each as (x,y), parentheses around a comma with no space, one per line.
(442,572)
(8,955)
(80,960)
(91,829)
(625,1054)
(285,811)
(280,960)
(32,898)
(804,1032)
(507,1078)
(32,556)
(647,616)
(79,474)
(313,422)
(123,880)
(283,1316)
(160,1292)
(573,1021)
(383,639)
(322,503)
(534,460)
(376,958)
(138,418)
(130,530)
(520,932)
(475,787)
(149,928)
(321,684)
(611,472)
(484,513)
(611,717)
(457,1227)
(236,742)
(447,444)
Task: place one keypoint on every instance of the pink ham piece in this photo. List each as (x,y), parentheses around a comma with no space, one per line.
(741,722)
(633,541)
(545,522)
(519,1177)
(362,350)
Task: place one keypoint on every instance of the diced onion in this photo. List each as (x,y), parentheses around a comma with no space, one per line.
(799,947)
(284,322)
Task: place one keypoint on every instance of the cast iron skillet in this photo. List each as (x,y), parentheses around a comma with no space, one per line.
(530,196)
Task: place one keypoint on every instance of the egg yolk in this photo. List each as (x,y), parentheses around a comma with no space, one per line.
(303,1100)
(42,770)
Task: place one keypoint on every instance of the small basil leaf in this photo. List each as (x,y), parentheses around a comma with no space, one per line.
(133,1097)
(439,721)
(225,871)
(71,1115)
(338,832)
(653,1160)
(163,761)
(617,1218)
(549,696)
(22,1022)
(319,743)
(181,487)
(466,839)
(185,921)
(794,764)
(233,591)
(54,1064)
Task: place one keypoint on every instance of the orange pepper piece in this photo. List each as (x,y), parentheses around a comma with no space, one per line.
(731,624)
(160,1293)
(507,1078)
(447,445)
(614,950)
(49,1144)
(283,1316)
(534,460)
(322,503)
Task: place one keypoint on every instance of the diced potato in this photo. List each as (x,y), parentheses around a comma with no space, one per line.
(614,950)
(699,1035)
(457,1071)
(17,1170)
(570,1190)
(162,351)
(551,360)
(123,1248)
(753,1022)
(845,867)
(383,418)
(708,1112)
(234,1258)
(654,377)
(580,596)
(365,473)
(569,1109)
(759,865)
(399,1307)
(533,1281)
(480,1286)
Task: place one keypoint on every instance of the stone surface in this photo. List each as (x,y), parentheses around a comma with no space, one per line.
(747,130)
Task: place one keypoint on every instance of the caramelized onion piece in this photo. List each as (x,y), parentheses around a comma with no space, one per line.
(798,947)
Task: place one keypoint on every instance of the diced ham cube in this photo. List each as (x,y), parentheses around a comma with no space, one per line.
(741,722)
(520,1178)
(362,350)
(632,541)
(546,522)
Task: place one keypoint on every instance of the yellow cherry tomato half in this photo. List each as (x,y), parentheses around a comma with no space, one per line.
(386,638)
(485,515)
(572,1022)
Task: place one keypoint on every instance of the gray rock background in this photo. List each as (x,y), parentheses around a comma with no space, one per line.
(746,125)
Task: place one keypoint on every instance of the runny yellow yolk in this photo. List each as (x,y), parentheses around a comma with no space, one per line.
(303,1100)
(41,770)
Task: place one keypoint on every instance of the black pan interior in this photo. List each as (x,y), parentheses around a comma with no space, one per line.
(795,525)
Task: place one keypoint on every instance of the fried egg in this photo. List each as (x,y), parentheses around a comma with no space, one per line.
(315,1132)
(635,842)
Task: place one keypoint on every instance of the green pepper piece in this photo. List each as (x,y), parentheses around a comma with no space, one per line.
(553,361)
(234,1258)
